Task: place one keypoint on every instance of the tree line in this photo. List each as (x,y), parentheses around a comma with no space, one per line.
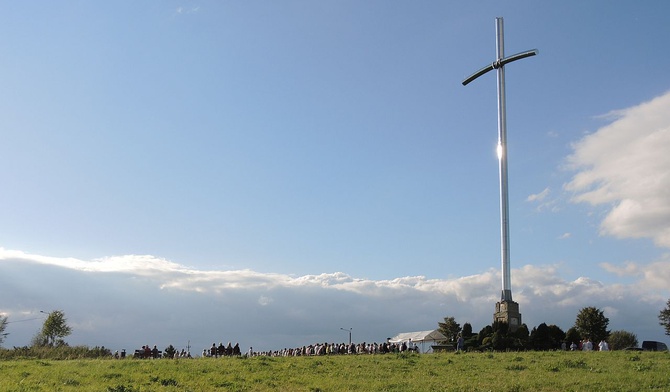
(49,341)
(590,324)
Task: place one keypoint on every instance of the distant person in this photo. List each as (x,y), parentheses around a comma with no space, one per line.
(460,343)
(603,346)
(410,345)
(587,345)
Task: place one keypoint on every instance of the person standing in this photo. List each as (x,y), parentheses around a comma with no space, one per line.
(603,346)
(587,346)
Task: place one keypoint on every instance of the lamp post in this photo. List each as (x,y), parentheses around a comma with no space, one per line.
(348,330)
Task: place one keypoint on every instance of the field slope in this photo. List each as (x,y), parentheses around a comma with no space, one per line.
(527,371)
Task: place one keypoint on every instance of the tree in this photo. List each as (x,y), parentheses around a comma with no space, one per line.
(620,340)
(592,324)
(572,336)
(500,326)
(664,318)
(55,326)
(169,351)
(470,339)
(466,331)
(504,339)
(449,328)
(499,337)
(39,340)
(522,336)
(540,339)
(501,341)
(484,333)
(3,326)
(546,337)
(556,335)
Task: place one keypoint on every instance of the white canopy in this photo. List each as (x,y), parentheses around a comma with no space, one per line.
(419,337)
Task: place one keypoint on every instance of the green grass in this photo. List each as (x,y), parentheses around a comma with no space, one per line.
(527,371)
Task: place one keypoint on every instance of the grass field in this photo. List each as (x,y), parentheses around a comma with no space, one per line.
(525,371)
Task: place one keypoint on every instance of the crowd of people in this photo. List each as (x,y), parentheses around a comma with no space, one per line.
(222,351)
(147,352)
(587,345)
(230,350)
(339,349)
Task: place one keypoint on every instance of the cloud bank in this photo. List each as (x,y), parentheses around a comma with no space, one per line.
(128,301)
(625,166)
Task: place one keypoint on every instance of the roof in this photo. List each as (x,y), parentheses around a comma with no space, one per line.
(420,336)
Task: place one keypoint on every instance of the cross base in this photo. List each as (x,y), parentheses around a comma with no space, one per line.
(508,312)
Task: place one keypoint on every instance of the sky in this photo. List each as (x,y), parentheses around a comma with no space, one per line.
(189,172)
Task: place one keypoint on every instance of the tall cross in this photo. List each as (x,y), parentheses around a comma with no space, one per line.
(499,64)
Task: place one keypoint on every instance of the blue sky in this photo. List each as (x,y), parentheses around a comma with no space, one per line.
(331,145)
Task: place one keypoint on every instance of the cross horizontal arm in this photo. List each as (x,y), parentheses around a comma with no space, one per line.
(499,63)
(478,74)
(516,57)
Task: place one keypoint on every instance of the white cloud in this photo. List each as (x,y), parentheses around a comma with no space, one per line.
(543,203)
(565,236)
(628,269)
(128,301)
(655,275)
(187,10)
(539,196)
(625,166)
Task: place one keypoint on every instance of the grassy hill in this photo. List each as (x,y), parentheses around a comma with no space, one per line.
(524,371)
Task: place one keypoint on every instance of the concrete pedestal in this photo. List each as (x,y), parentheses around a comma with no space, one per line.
(508,312)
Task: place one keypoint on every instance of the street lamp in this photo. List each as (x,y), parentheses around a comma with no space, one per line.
(348,330)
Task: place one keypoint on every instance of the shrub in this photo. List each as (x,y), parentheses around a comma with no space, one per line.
(59,352)
(619,340)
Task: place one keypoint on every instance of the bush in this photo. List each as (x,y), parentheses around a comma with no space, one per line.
(58,353)
(619,340)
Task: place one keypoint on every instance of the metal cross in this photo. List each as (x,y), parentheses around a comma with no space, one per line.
(499,65)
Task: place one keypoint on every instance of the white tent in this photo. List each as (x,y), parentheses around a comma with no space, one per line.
(420,337)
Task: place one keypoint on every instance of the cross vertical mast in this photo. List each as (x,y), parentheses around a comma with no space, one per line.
(506,310)
(506,294)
